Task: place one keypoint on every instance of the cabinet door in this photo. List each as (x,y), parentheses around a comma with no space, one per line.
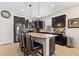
(59,21)
(39,24)
(36,24)
(20,20)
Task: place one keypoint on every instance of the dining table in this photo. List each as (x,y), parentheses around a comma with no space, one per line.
(43,39)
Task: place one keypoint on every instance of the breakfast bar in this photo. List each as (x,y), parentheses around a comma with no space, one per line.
(43,39)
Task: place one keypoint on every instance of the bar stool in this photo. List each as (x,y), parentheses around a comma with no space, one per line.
(32,47)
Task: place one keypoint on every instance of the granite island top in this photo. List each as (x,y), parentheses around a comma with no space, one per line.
(40,35)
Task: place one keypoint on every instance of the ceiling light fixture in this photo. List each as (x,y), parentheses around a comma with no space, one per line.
(53,5)
(30,20)
(22,9)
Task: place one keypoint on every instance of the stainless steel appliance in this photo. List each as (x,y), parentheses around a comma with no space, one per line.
(18,29)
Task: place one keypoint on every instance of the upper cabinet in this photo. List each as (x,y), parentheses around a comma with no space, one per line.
(39,24)
(59,21)
(19,20)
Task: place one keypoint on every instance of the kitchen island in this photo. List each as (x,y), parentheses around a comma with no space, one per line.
(43,39)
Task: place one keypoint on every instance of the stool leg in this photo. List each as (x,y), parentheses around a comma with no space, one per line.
(24,54)
(42,52)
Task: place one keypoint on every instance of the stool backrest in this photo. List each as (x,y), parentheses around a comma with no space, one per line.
(22,37)
(28,43)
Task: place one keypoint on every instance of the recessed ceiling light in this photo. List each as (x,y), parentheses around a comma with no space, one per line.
(22,9)
(53,5)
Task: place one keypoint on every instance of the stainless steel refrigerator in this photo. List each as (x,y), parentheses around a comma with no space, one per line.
(18,29)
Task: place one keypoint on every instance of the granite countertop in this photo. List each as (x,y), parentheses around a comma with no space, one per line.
(49,32)
(40,35)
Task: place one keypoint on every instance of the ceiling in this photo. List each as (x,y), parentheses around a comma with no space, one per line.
(22,9)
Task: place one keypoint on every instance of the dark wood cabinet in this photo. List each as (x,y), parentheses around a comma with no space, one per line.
(61,40)
(36,24)
(39,24)
(20,20)
(59,21)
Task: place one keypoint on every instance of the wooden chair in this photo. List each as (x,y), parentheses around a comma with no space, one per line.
(32,47)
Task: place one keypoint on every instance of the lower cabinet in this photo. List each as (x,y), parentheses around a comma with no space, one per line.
(61,40)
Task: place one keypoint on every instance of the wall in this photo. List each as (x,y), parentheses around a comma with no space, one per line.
(6,29)
(70,13)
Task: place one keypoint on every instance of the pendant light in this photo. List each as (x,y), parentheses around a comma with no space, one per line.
(38,19)
(30,20)
(38,11)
